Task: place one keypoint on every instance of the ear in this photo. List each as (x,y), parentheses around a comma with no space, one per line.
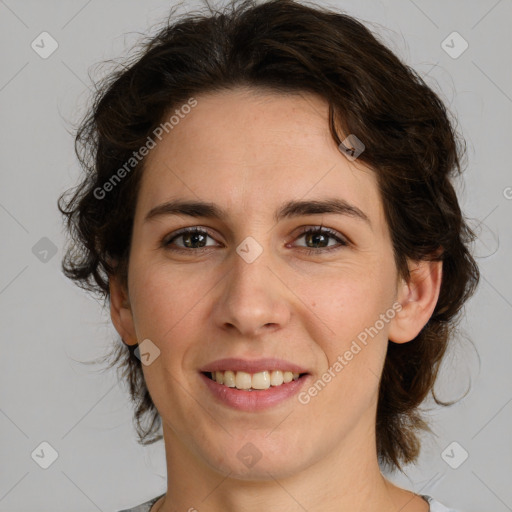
(418,298)
(120,311)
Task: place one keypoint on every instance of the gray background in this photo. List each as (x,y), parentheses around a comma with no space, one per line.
(48,326)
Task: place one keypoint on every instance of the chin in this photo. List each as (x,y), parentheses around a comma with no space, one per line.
(251,463)
(263,470)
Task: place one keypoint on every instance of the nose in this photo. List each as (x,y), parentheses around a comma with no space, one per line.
(253,299)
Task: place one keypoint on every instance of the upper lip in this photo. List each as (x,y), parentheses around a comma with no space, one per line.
(252,366)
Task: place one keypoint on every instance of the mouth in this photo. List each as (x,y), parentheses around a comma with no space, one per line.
(260,381)
(253,392)
(253,385)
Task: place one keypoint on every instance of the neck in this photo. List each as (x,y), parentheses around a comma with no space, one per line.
(346,480)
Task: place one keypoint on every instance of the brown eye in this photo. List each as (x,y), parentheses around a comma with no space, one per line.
(319,239)
(191,239)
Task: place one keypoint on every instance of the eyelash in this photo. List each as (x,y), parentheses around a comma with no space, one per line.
(342,242)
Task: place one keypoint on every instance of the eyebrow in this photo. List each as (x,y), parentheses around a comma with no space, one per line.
(288,210)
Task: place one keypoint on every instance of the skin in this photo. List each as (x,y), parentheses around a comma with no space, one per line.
(249,151)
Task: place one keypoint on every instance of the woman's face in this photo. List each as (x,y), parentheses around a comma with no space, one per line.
(250,285)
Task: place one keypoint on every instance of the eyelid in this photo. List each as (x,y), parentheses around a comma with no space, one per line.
(185,231)
(342,240)
(332,233)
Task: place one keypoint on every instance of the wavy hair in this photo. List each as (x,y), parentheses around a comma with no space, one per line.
(286,46)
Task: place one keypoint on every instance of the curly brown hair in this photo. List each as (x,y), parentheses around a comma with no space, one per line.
(285,46)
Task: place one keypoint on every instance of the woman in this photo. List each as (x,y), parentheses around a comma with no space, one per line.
(268,210)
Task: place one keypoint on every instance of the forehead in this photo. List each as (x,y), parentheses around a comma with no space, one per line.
(250,150)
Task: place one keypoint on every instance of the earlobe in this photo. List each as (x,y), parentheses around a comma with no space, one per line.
(120,312)
(418,298)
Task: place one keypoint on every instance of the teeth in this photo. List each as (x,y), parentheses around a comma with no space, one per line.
(247,381)
(260,380)
(276,378)
(243,380)
(229,378)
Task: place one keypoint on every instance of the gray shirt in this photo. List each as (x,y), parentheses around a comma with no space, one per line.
(435,506)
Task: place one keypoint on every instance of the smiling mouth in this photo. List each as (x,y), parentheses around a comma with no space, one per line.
(259,381)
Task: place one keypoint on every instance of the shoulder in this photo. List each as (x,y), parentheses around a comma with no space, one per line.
(436,506)
(143,507)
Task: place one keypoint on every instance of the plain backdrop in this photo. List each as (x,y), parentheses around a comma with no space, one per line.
(48,325)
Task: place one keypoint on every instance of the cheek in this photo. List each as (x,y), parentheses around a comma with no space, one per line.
(165,300)
(349,336)
(351,342)
(347,303)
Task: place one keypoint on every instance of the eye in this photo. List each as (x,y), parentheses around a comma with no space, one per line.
(319,237)
(192,239)
(196,239)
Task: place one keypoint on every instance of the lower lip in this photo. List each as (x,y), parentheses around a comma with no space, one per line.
(254,400)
